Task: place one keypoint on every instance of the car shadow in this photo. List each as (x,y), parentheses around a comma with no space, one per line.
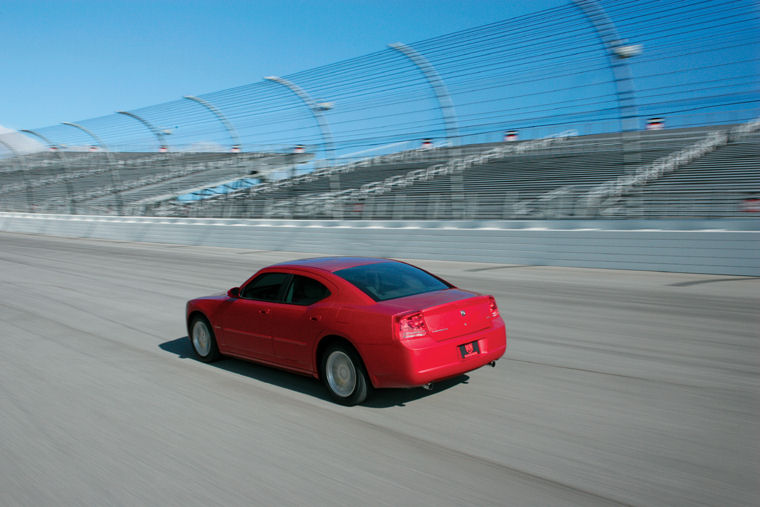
(381,398)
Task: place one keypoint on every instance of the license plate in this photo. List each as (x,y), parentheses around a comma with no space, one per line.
(469,349)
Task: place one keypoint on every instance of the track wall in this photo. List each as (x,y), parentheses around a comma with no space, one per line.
(716,247)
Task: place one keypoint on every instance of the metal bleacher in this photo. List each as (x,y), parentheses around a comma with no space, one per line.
(516,186)
(543,182)
(524,179)
(101,182)
(716,185)
(295,196)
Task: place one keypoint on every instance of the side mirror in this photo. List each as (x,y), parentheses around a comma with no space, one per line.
(234,292)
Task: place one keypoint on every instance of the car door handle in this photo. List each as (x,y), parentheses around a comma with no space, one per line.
(264,311)
(315,318)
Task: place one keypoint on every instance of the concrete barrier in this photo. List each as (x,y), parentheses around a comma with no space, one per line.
(727,247)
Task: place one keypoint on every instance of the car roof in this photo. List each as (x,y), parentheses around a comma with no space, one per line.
(332,264)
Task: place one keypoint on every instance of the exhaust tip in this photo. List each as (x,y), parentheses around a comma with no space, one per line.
(428,387)
(492,364)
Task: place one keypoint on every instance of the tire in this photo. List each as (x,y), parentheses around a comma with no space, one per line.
(344,375)
(203,340)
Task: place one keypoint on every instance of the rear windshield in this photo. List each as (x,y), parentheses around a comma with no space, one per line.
(390,280)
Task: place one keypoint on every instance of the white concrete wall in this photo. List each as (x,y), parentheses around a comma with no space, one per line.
(718,247)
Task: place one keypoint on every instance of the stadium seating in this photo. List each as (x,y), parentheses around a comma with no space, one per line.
(546,178)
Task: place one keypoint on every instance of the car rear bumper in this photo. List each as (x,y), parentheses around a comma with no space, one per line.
(421,361)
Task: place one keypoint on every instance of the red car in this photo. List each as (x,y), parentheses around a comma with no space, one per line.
(355,323)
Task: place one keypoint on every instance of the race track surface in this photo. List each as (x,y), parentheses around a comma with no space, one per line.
(618,387)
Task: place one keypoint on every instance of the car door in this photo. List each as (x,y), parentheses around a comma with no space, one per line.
(298,321)
(247,320)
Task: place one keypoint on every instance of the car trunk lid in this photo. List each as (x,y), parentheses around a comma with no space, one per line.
(447,313)
(456,318)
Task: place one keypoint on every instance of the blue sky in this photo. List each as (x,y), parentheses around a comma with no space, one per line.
(69,60)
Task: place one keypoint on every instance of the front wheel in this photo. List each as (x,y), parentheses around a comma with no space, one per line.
(203,340)
(344,375)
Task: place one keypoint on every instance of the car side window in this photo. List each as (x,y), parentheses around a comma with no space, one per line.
(266,287)
(305,291)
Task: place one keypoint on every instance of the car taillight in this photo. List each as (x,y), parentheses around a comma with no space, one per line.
(411,326)
(493,310)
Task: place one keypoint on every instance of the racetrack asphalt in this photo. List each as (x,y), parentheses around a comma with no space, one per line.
(618,387)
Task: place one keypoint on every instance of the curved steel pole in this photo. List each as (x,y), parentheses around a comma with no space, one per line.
(219,116)
(44,139)
(162,146)
(113,173)
(617,51)
(22,168)
(87,131)
(59,154)
(438,86)
(316,111)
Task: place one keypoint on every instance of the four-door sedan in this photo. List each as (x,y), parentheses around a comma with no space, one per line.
(354,323)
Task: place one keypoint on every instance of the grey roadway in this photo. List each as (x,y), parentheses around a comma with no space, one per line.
(618,387)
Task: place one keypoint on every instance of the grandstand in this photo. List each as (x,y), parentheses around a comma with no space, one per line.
(532,179)
(101,182)
(545,180)
(717,185)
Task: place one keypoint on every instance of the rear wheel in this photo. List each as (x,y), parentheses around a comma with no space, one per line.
(344,375)
(203,340)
